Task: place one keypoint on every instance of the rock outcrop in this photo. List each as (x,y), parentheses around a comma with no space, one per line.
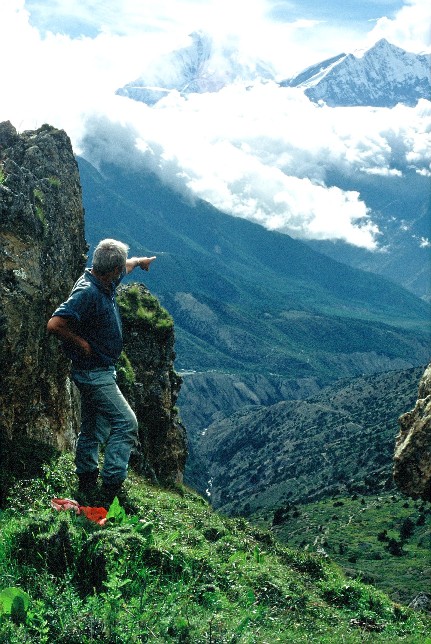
(42,252)
(151,385)
(412,458)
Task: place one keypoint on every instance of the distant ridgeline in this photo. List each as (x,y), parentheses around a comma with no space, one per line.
(43,251)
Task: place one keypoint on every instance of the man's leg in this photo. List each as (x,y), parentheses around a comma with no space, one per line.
(122,434)
(94,431)
(108,418)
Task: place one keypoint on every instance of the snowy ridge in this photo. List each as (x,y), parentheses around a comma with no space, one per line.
(382,77)
(312,74)
(200,67)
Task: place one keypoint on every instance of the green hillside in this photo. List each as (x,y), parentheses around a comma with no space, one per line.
(246,299)
(339,441)
(318,473)
(172,570)
(382,539)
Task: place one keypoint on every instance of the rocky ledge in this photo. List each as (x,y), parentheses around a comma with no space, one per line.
(412,457)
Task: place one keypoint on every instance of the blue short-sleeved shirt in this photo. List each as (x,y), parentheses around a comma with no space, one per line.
(94,314)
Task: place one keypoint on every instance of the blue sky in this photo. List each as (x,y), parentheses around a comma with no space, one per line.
(254,150)
(84,18)
(360,12)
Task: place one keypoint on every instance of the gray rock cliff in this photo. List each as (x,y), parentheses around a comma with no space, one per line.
(42,250)
(412,457)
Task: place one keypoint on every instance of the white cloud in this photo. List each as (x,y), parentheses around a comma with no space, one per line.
(409,29)
(262,152)
(256,151)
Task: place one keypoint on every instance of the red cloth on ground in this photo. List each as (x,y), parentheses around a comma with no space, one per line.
(98,515)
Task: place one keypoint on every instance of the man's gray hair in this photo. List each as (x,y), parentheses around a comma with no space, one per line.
(108,255)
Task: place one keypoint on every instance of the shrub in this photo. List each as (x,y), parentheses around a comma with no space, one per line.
(106,549)
(407,529)
(137,303)
(395,548)
(125,372)
(356,596)
(39,200)
(310,564)
(46,543)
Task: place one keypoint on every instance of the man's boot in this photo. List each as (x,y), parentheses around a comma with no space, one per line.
(87,490)
(109,492)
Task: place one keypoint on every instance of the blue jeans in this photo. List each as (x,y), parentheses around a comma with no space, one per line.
(106,419)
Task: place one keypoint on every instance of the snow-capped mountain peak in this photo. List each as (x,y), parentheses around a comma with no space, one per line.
(203,66)
(382,76)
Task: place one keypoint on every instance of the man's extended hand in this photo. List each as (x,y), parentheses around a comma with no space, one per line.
(144,262)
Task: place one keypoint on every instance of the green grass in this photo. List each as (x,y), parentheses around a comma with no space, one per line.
(54,181)
(125,371)
(136,302)
(383,539)
(182,574)
(39,200)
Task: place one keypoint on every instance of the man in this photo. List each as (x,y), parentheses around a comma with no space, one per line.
(88,324)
